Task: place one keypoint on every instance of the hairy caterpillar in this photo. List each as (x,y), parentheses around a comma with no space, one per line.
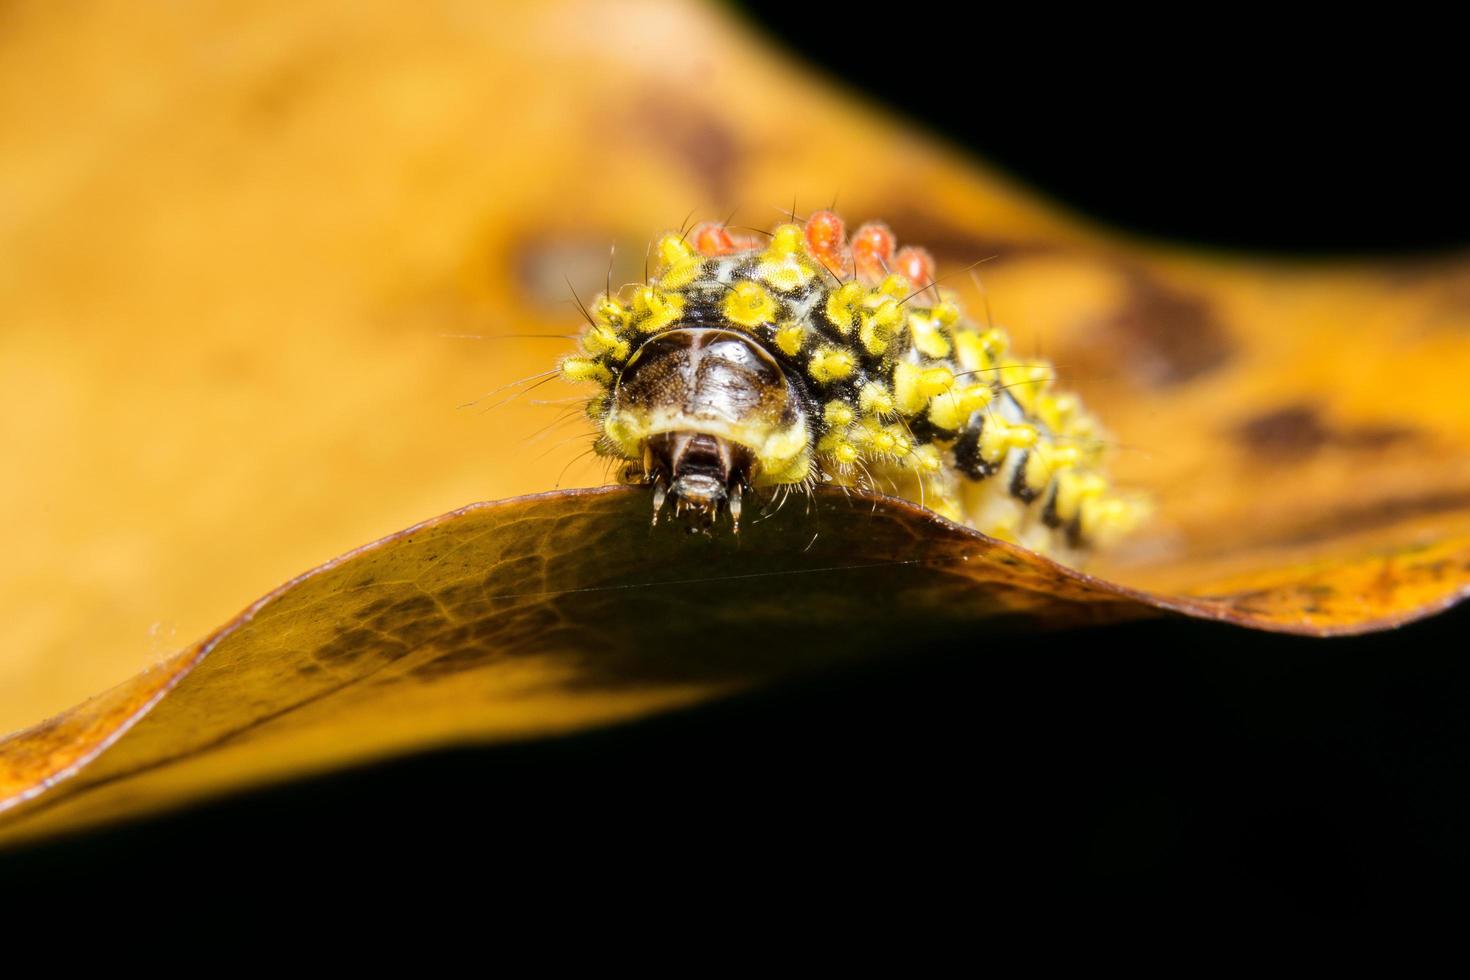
(811,358)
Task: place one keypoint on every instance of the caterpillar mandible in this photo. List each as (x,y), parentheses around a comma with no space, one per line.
(817,358)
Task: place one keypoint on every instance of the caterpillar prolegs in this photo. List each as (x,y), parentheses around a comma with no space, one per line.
(811,358)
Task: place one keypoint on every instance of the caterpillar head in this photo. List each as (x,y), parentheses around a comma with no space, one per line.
(708,412)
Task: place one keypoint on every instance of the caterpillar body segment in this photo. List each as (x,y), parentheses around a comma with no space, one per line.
(816,357)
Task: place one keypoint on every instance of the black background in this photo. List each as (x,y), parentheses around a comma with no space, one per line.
(1250,130)
(1153,761)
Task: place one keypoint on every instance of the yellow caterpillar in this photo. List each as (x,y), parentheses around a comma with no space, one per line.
(811,358)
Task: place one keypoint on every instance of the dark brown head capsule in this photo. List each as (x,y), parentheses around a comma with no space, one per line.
(710,413)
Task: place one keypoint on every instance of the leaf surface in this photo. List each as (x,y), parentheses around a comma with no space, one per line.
(552,613)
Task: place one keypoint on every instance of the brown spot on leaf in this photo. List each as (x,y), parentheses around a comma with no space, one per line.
(550,268)
(1298,431)
(353,645)
(1293,431)
(1172,335)
(1378,514)
(1445,281)
(699,138)
(284,89)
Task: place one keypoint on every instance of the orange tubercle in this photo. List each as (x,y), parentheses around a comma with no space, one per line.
(710,238)
(916,265)
(872,250)
(826,241)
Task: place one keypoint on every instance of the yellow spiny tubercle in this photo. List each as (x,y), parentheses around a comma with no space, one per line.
(995,344)
(678,261)
(783,446)
(951,409)
(786,241)
(839,446)
(784,264)
(575,369)
(1073,487)
(880,321)
(928,459)
(1026,382)
(999,437)
(894,286)
(623,431)
(831,364)
(789,338)
(902,442)
(843,305)
(914,385)
(1059,412)
(876,398)
(655,310)
(600,339)
(749,305)
(609,313)
(1043,464)
(928,336)
(970,351)
(838,414)
(877,438)
(1103,519)
(797,471)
